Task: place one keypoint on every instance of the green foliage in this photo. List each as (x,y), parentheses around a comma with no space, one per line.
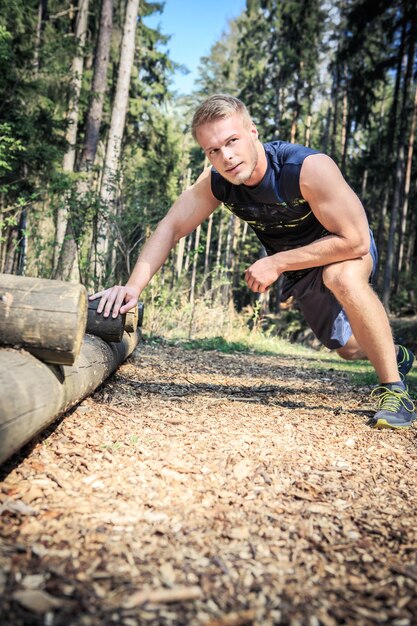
(32,96)
(279,51)
(218,70)
(9,148)
(152,174)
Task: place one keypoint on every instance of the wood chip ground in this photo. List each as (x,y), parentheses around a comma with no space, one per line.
(210,489)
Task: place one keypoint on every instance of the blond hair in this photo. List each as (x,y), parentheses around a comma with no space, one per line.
(218,106)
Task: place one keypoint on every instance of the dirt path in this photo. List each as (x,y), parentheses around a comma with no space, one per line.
(209,489)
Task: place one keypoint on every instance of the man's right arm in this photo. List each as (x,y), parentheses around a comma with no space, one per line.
(193,206)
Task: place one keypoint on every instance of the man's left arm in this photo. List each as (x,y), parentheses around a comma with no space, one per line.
(337,208)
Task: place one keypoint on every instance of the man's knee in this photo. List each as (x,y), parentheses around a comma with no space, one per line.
(342,279)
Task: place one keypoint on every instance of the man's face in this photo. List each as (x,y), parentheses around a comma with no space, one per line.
(230,145)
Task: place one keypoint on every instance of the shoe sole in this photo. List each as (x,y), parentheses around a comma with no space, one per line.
(380,424)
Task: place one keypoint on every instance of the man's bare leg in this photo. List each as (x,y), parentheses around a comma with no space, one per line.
(372,337)
(352,351)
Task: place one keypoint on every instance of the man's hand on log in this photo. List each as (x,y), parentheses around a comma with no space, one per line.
(117,299)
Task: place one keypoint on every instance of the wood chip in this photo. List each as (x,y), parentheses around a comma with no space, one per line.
(234,619)
(245,497)
(163,596)
(37,601)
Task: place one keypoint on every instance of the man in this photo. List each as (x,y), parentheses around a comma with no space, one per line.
(314,229)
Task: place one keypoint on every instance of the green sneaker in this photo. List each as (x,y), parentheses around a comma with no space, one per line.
(395,406)
(405,360)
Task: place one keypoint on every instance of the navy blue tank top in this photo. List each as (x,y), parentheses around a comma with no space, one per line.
(275,208)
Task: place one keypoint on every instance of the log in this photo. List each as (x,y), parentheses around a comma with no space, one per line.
(107,328)
(132,318)
(111,328)
(46,317)
(33,394)
(141,312)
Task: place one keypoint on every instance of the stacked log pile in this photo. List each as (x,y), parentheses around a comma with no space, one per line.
(55,349)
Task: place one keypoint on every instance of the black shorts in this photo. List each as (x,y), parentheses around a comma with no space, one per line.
(323,313)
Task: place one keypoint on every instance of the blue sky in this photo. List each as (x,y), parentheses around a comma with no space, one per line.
(194,26)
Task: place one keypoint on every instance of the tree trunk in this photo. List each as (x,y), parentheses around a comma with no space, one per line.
(114,142)
(42,15)
(364,183)
(399,175)
(346,137)
(208,245)
(295,116)
(194,268)
(345,131)
(23,243)
(380,236)
(11,248)
(72,116)
(407,185)
(180,257)
(188,253)
(218,267)
(335,101)
(99,86)
(68,254)
(412,241)
(309,117)
(390,146)
(228,261)
(181,244)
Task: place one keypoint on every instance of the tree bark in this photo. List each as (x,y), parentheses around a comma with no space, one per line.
(399,172)
(114,143)
(208,245)
(219,251)
(72,116)
(69,249)
(180,257)
(228,261)
(181,243)
(42,16)
(99,86)
(407,185)
(412,245)
(190,239)
(194,267)
(335,101)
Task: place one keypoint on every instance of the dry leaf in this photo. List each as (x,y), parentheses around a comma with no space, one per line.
(38,601)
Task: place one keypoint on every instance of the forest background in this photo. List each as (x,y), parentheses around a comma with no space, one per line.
(95,145)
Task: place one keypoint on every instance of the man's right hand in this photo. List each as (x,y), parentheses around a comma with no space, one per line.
(117,299)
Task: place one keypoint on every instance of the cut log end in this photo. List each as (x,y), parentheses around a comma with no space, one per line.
(46,316)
